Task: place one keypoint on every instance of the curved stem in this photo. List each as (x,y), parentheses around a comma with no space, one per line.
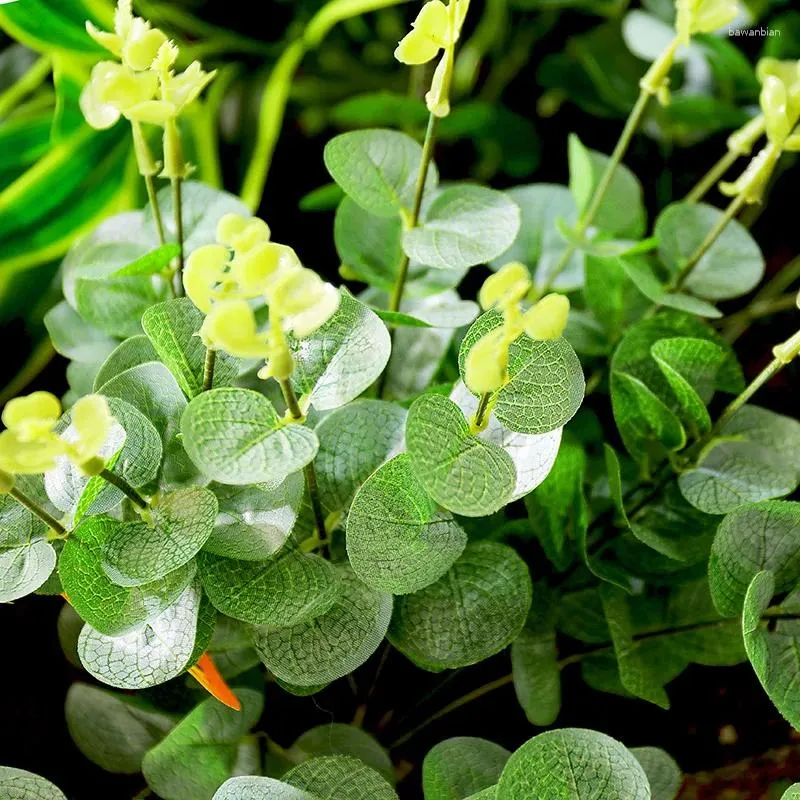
(153,200)
(480,412)
(124,487)
(208,368)
(588,216)
(38,511)
(706,183)
(177,203)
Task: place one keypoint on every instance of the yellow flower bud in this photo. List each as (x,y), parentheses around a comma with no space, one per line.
(230,226)
(231,326)
(29,457)
(753,181)
(92,420)
(486,363)
(32,416)
(142,45)
(303,301)
(114,90)
(111,41)
(430,33)
(703,16)
(507,286)
(204,270)
(255,232)
(183,88)
(548,318)
(253,270)
(774,100)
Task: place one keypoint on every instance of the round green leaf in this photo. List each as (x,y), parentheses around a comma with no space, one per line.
(255,521)
(733,265)
(573,764)
(343,358)
(235,436)
(113,730)
(330,646)
(472,612)
(545,386)
(464,226)
(378,169)
(465,474)
(17,784)
(353,442)
(253,788)
(130,353)
(397,539)
(180,524)
(285,590)
(663,774)
(340,778)
(462,766)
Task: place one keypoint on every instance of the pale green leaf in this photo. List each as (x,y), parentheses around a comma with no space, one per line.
(330,646)
(343,358)
(474,611)
(17,784)
(340,778)
(113,730)
(573,764)
(397,539)
(378,169)
(73,338)
(199,754)
(254,788)
(463,473)
(663,774)
(464,226)
(731,267)
(285,590)
(235,436)
(130,353)
(459,767)
(155,262)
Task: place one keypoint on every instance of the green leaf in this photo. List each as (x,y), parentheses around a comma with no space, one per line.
(45,27)
(203,206)
(538,244)
(556,508)
(154,653)
(17,784)
(754,538)
(731,267)
(343,358)
(397,539)
(792,793)
(464,226)
(172,326)
(754,459)
(330,646)
(113,730)
(286,590)
(533,455)
(180,522)
(199,755)
(398,319)
(474,611)
(73,338)
(353,442)
(634,670)
(130,353)
(340,778)
(139,450)
(534,661)
(153,263)
(663,774)
(545,381)
(235,436)
(252,788)
(573,764)
(459,767)
(378,169)
(611,295)
(348,740)
(27,559)
(110,608)
(622,211)
(460,471)
(255,521)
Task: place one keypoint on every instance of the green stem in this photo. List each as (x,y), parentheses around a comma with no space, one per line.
(11,97)
(427,155)
(706,183)
(686,270)
(153,200)
(309,470)
(208,368)
(736,324)
(38,511)
(177,203)
(480,412)
(124,487)
(588,216)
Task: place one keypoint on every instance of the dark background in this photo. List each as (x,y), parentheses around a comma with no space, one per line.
(35,675)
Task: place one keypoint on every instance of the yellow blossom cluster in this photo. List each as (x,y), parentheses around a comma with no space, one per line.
(486,365)
(30,445)
(221,279)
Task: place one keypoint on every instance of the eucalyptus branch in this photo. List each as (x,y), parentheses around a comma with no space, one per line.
(38,511)
(588,216)
(309,470)
(117,480)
